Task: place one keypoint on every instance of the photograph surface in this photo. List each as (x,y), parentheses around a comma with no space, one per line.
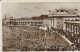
(41,26)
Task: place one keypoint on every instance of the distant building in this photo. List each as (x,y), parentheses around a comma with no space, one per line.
(22,22)
(57,19)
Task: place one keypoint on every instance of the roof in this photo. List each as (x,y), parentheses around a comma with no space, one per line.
(64,13)
(73,22)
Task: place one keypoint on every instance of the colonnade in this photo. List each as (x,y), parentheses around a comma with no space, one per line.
(73,28)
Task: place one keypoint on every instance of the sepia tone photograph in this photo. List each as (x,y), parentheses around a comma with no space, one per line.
(40,26)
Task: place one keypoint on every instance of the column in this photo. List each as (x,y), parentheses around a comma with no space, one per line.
(55,23)
(71,28)
(51,22)
(66,27)
(76,29)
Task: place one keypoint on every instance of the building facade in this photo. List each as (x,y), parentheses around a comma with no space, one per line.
(22,22)
(57,19)
(73,32)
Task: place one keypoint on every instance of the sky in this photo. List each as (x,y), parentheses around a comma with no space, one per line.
(30,9)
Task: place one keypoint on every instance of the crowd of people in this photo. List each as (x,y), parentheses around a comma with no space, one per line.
(51,48)
(16,38)
(29,39)
(72,37)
